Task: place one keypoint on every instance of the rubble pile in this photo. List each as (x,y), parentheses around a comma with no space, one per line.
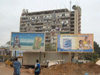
(71,69)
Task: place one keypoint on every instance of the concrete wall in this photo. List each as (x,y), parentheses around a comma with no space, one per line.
(30,58)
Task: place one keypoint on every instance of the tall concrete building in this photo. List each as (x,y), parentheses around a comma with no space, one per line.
(52,22)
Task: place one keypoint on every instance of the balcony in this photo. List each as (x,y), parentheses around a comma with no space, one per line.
(23,30)
(38,26)
(72,26)
(36,23)
(71,29)
(47,36)
(72,15)
(65,28)
(47,40)
(64,25)
(72,18)
(64,17)
(64,32)
(47,33)
(24,17)
(72,32)
(39,31)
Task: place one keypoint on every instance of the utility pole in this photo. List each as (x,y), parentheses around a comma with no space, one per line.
(15,53)
(70,55)
(70,5)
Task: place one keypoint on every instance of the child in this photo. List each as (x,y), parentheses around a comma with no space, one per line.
(81,44)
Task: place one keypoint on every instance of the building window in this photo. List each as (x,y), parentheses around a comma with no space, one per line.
(72,18)
(72,29)
(35,17)
(72,14)
(63,14)
(72,25)
(32,24)
(67,14)
(66,22)
(72,22)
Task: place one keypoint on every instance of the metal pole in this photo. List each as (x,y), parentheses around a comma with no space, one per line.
(15,53)
(70,62)
(70,24)
(70,57)
(40,57)
(70,5)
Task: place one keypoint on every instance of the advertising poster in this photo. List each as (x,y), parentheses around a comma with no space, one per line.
(28,41)
(75,43)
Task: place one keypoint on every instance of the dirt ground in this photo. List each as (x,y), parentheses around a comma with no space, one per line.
(72,69)
(6,70)
(62,69)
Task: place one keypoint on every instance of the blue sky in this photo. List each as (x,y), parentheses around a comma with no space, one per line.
(10,11)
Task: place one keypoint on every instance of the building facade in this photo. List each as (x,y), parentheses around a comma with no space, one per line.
(52,22)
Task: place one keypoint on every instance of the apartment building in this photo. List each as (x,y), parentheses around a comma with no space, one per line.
(52,22)
(75,20)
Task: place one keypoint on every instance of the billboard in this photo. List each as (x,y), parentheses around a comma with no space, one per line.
(28,41)
(75,43)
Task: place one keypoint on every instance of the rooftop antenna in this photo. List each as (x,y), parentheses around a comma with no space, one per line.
(70,5)
(65,4)
(70,55)
(78,2)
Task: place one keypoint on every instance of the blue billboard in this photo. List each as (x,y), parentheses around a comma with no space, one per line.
(28,41)
(75,43)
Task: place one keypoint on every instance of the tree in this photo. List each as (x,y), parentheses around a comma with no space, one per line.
(96,48)
(92,56)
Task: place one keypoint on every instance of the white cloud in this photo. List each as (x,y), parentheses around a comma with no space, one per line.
(10,11)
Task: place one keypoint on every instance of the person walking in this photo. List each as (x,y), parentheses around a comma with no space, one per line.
(37,68)
(17,67)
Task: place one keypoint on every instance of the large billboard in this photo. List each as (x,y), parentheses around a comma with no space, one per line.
(28,41)
(75,43)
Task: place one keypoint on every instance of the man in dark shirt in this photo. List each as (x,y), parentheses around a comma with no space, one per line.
(17,67)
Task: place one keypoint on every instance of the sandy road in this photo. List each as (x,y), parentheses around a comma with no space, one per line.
(9,71)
